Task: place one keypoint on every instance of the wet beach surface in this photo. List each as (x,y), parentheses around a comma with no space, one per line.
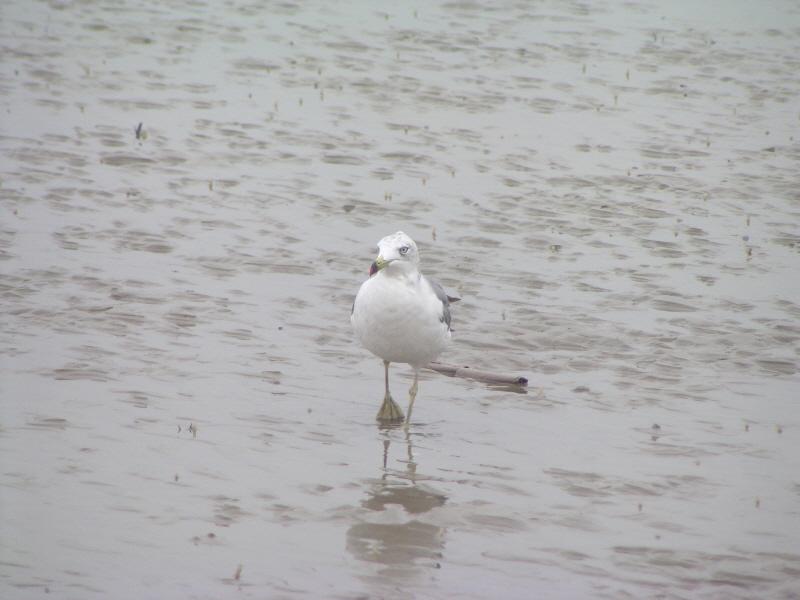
(612,190)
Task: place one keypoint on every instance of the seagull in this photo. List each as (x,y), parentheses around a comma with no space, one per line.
(400,315)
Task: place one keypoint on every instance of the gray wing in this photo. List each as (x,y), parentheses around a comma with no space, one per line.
(443,297)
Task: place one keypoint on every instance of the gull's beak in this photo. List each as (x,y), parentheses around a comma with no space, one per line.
(379,264)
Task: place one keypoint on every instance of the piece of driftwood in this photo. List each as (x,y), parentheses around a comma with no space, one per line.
(466,372)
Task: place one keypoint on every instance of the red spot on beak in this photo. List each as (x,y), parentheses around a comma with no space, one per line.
(373,268)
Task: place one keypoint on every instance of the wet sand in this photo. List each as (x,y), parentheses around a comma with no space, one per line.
(611,189)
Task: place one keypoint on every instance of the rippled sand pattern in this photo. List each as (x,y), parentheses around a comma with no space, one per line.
(191,194)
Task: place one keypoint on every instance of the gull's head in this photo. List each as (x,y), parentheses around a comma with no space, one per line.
(397,251)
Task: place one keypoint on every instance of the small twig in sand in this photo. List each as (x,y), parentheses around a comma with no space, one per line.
(466,372)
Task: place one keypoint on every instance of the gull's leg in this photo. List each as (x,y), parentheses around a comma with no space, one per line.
(389,412)
(412,393)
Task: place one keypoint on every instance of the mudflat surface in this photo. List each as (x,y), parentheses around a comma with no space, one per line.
(611,188)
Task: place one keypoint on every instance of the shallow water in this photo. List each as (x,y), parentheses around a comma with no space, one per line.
(612,191)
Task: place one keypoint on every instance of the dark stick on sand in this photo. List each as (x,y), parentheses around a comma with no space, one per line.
(466,372)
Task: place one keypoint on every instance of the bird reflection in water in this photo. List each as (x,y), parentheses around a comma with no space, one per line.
(404,545)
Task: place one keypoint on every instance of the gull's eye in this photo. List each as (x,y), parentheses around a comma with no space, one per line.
(404,250)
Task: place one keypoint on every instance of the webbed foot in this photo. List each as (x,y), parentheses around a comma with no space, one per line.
(390,412)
